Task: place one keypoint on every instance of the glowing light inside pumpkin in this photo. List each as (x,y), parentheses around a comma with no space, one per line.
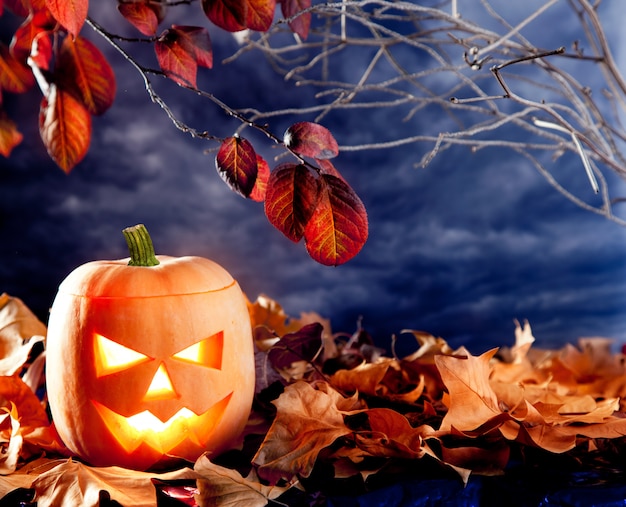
(112,357)
(163,436)
(145,421)
(207,352)
(161,387)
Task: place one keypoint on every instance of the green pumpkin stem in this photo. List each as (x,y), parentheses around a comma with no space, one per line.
(140,246)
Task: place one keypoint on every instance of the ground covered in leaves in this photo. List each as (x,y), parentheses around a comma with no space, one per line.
(335,419)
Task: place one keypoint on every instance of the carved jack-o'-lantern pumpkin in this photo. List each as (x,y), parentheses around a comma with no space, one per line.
(149,359)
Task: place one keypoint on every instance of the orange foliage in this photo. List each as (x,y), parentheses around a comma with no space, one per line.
(341,406)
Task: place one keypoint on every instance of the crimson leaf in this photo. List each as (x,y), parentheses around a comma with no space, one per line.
(83,69)
(180,50)
(71,14)
(292,193)
(236,163)
(338,228)
(65,127)
(236,15)
(260,185)
(300,23)
(311,140)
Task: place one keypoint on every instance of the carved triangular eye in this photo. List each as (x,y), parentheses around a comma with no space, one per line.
(112,357)
(207,352)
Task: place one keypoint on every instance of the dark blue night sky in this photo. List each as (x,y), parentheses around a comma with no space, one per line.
(460,248)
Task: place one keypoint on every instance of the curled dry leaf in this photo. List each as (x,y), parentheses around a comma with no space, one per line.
(22,417)
(222,487)
(385,379)
(472,400)
(303,345)
(20,329)
(71,483)
(307,421)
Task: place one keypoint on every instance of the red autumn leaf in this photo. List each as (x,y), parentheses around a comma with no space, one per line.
(15,76)
(65,128)
(263,175)
(236,163)
(338,228)
(33,25)
(227,14)
(197,41)
(18,7)
(311,140)
(10,137)
(237,15)
(327,167)
(301,23)
(42,50)
(260,14)
(83,69)
(142,15)
(292,193)
(180,50)
(71,14)
(303,345)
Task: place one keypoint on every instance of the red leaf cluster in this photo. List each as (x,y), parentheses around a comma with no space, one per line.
(302,200)
(77,67)
(308,199)
(74,76)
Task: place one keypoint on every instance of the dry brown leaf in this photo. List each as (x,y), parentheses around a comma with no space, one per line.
(29,408)
(386,379)
(23,415)
(72,484)
(223,487)
(429,346)
(472,400)
(391,435)
(11,454)
(307,421)
(24,477)
(19,331)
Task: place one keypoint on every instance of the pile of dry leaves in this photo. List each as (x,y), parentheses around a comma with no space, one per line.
(331,408)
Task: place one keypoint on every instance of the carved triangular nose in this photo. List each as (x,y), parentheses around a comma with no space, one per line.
(161,387)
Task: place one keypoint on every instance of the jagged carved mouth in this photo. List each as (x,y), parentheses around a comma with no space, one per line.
(162,436)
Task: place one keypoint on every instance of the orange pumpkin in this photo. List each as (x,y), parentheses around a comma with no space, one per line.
(149,359)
